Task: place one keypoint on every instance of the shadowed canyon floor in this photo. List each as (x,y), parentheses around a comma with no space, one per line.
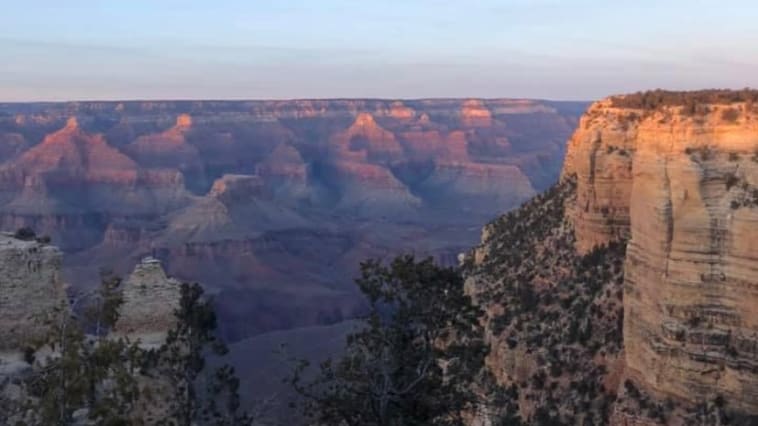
(271,204)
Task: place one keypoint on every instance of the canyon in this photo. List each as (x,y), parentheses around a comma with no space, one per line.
(626,294)
(271,205)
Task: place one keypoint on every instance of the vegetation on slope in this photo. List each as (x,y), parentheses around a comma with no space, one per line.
(81,375)
(559,312)
(691,101)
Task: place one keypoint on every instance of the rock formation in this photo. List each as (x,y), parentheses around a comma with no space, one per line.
(169,149)
(474,113)
(365,140)
(150,300)
(37,323)
(676,176)
(73,182)
(70,154)
(684,188)
(31,292)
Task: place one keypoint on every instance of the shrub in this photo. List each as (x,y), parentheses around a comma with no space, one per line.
(705,153)
(730,115)
(731,180)
(26,233)
(719,401)
(692,102)
(29,355)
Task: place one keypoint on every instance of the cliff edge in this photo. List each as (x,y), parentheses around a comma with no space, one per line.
(673,178)
(31,291)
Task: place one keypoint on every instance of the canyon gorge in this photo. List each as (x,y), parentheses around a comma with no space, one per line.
(624,294)
(271,204)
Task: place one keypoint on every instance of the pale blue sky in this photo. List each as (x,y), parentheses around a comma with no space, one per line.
(233,49)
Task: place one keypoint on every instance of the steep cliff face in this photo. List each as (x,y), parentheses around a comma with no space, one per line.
(683,187)
(600,155)
(31,292)
(674,177)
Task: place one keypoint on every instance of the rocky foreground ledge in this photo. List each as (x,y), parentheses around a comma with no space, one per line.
(31,291)
(38,320)
(33,297)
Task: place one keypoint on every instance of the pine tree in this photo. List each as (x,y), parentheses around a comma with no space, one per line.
(182,361)
(413,361)
(86,373)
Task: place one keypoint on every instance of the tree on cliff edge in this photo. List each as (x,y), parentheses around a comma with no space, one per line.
(85,373)
(415,358)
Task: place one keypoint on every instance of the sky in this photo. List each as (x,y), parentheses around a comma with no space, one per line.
(55,50)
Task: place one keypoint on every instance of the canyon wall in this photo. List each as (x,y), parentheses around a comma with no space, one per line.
(684,188)
(673,178)
(271,204)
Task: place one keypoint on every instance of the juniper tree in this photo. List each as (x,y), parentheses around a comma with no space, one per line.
(412,362)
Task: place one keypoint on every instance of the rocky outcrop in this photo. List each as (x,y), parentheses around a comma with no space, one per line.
(32,298)
(474,113)
(70,154)
(169,149)
(236,207)
(683,187)
(365,140)
(370,190)
(150,301)
(600,155)
(45,341)
(674,177)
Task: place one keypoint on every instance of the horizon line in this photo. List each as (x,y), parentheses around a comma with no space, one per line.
(338,98)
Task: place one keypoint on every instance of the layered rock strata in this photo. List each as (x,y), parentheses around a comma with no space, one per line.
(674,177)
(251,185)
(685,189)
(32,298)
